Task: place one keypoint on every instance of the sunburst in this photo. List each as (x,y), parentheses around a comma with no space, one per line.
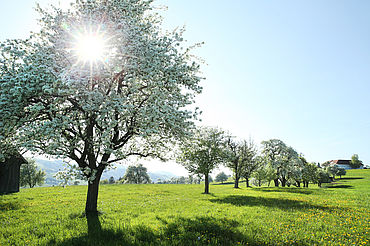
(90,47)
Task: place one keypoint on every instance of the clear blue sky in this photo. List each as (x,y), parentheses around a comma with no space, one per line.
(294,70)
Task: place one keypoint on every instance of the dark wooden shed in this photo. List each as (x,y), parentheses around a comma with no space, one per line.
(10,173)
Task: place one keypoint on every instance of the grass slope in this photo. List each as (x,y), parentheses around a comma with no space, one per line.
(338,214)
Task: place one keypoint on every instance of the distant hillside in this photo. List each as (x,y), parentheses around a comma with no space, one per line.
(51,167)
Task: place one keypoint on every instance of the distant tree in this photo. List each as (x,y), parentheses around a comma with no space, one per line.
(221,177)
(250,162)
(322,177)
(181,180)
(210,179)
(284,159)
(264,174)
(190,179)
(30,175)
(111,180)
(136,175)
(270,174)
(104,181)
(76,182)
(203,152)
(355,161)
(309,173)
(341,172)
(259,175)
(332,170)
(233,159)
(241,159)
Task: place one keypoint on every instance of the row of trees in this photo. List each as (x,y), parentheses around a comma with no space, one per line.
(135,101)
(275,161)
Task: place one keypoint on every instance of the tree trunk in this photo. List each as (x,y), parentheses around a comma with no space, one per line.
(92,195)
(276,181)
(247,182)
(236,183)
(283,182)
(299,184)
(206,184)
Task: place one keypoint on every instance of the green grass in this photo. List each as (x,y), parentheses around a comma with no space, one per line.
(337,214)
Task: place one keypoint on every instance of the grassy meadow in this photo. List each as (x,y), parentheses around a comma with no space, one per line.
(337,214)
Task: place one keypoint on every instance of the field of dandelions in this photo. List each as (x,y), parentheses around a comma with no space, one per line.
(158,214)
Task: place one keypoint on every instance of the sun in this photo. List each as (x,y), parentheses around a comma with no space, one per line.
(90,47)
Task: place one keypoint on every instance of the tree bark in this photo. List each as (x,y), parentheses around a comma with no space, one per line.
(206,184)
(92,195)
(247,182)
(236,183)
(299,184)
(283,182)
(276,181)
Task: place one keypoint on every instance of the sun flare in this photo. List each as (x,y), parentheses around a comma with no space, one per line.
(90,48)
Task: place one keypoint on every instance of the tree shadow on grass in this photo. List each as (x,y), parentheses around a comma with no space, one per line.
(13,203)
(285,189)
(350,178)
(224,183)
(174,231)
(203,231)
(279,203)
(10,205)
(339,186)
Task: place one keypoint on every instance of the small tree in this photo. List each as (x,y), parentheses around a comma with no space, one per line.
(181,180)
(322,177)
(341,172)
(136,175)
(221,177)
(250,163)
(309,173)
(203,152)
(241,159)
(259,176)
(111,180)
(355,161)
(30,175)
(283,159)
(332,170)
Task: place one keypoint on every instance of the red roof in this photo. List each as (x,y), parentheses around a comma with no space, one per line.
(342,162)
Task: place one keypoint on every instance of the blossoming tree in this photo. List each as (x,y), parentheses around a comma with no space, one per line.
(202,152)
(98,83)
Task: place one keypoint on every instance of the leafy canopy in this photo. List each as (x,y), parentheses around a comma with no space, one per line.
(136,175)
(131,99)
